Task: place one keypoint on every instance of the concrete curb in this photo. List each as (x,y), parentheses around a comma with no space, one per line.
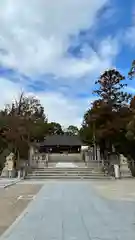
(12,183)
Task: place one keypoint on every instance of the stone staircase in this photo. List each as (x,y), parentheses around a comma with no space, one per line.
(66,166)
(65,173)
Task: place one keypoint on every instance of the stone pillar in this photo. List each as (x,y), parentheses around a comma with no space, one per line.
(19,174)
(98,156)
(117,171)
(115,161)
(24,173)
(31,156)
(87,157)
(47,159)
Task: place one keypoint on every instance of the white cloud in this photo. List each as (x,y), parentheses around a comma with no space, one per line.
(63,109)
(130,31)
(57,107)
(130,36)
(108,48)
(9,91)
(36,35)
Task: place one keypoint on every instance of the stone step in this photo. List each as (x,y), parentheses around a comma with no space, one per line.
(65,169)
(65,173)
(68,177)
(54,165)
(63,161)
(68,172)
(60,173)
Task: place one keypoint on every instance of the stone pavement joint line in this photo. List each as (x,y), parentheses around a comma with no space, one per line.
(73,211)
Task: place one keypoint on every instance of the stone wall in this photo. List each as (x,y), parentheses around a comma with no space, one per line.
(72,157)
(36,159)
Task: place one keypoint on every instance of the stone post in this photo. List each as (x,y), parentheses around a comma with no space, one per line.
(31,156)
(87,157)
(115,160)
(117,171)
(98,156)
(24,173)
(19,174)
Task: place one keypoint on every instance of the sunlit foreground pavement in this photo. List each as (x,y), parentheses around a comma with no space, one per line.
(13,201)
(76,210)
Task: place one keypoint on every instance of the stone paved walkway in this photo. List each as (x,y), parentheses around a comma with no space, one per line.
(74,211)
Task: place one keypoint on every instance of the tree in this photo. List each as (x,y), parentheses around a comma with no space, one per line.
(129,144)
(38,130)
(55,128)
(30,109)
(14,131)
(72,130)
(27,107)
(108,117)
(86,134)
(113,102)
(110,89)
(97,121)
(131,73)
(20,123)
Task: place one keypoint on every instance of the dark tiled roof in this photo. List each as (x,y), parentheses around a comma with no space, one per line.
(62,140)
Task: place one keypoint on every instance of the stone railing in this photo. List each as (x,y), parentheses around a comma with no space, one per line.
(39,160)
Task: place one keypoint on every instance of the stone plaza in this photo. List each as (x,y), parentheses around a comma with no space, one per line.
(78,210)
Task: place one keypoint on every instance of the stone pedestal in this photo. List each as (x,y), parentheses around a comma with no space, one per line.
(4,172)
(125,171)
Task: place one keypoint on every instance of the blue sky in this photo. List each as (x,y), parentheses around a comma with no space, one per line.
(56,50)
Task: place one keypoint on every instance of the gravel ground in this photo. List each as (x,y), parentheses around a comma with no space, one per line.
(13,201)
